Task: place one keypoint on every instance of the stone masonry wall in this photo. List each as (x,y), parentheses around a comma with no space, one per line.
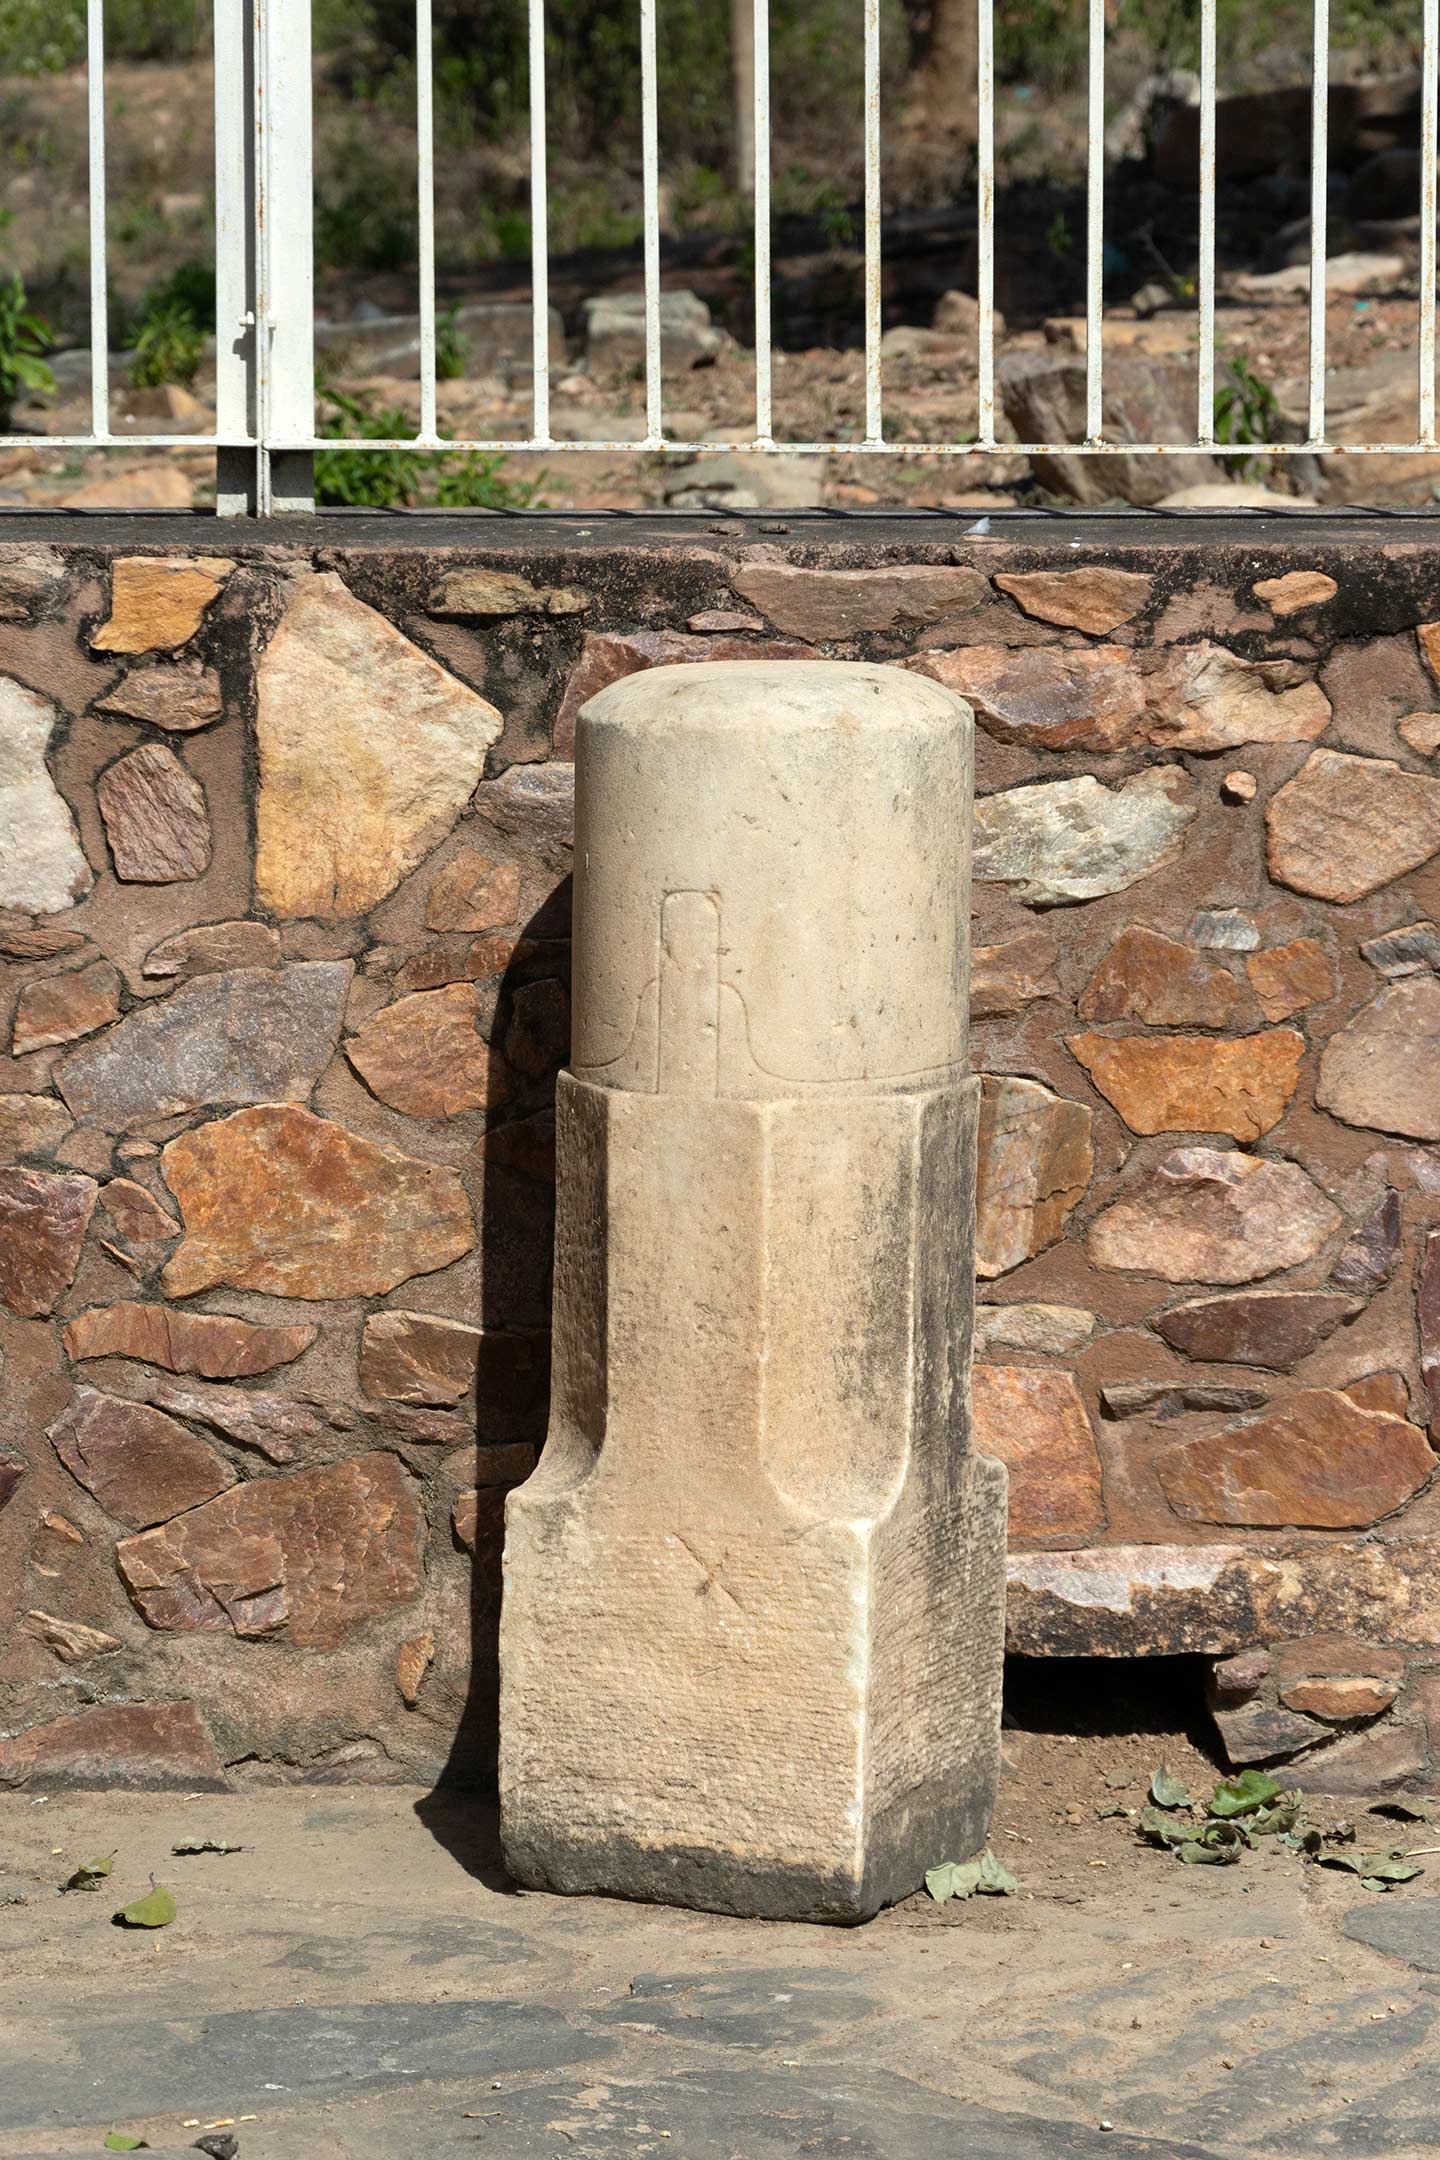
(284,842)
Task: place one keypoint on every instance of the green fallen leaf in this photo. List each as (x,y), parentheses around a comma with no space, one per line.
(1167,1829)
(1244,1793)
(995,1879)
(953,1878)
(205,1844)
(1199,1854)
(1382,1871)
(1219,1844)
(90,1873)
(984,1876)
(117,2141)
(1275,1821)
(155,1910)
(1377,1870)
(1167,1791)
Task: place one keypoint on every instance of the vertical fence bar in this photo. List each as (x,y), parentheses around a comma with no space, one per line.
(285,251)
(985,238)
(1429,121)
(99,305)
(539,232)
(1319,175)
(1205,270)
(650,167)
(1095,229)
(234,260)
(764,415)
(874,415)
(425,210)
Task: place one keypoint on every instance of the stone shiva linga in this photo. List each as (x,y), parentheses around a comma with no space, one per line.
(753,1609)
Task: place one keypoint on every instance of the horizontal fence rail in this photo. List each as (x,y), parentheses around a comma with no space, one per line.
(266,432)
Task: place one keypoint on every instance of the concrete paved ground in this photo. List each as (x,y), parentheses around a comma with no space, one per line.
(360,1983)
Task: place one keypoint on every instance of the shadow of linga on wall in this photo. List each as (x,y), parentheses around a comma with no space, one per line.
(529,1041)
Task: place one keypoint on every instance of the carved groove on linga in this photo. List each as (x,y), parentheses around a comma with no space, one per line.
(695,1052)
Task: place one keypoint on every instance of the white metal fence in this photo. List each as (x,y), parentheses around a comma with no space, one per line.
(266,424)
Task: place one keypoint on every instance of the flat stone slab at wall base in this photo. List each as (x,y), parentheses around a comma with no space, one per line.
(1213,1600)
(751,1631)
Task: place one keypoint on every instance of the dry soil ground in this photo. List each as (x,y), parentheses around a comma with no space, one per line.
(360,1983)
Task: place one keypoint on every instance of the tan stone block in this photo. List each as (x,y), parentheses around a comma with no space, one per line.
(1025,1326)
(1421,732)
(1334,1657)
(473,893)
(181,699)
(607,656)
(211,948)
(1327,1458)
(1204,697)
(158,601)
(1287,978)
(1148,976)
(116,1747)
(312,1556)
(1212,1215)
(1214,1598)
(43,1220)
(1274,1328)
(757,1488)
(61,1008)
(156,819)
(1057,700)
(256,1035)
(412,1661)
(71,1641)
(1297,589)
(31,1125)
(217,1346)
(425,1054)
(338,824)
(42,865)
(1005,978)
(140,1464)
(135,1213)
(1033,1419)
(41,941)
(1340,1701)
(418,1357)
(1195,1083)
(1034,1163)
(277,1199)
(1058,841)
(822,605)
(1097,598)
(1345,826)
(1368,1762)
(477,1520)
(527,1145)
(1425,1696)
(1380,1071)
(495,593)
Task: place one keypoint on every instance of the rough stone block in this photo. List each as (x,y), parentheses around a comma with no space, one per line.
(753,1606)
(121,1747)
